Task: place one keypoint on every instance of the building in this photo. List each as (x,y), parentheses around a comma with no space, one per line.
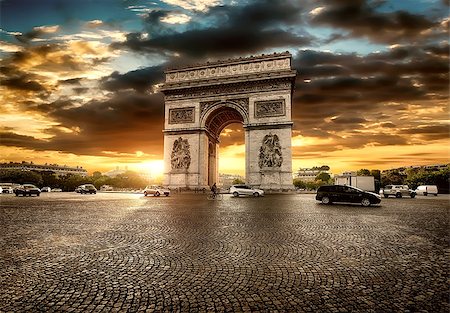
(116,172)
(226,180)
(310,174)
(55,168)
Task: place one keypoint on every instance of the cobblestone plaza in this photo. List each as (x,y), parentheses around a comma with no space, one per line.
(282,253)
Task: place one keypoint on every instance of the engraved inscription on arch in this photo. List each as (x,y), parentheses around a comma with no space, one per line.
(270,108)
(182,115)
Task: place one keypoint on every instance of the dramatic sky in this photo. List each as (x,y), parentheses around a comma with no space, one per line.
(79,79)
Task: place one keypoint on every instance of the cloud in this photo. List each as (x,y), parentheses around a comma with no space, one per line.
(195,5)
(124,122)
(37,32)
(362,19)
(234,30)
(140,80)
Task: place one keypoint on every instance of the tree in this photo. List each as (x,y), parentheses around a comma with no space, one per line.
(376,174)
(363,172)
(299,184)
(324,177)
(21,177)
(392,178)
(237,181)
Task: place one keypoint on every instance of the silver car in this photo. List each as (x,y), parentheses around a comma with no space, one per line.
(156,191)
(245,190)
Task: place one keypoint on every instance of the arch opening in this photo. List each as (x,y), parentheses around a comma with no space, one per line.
(215,123)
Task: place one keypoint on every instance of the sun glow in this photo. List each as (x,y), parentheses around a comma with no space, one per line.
(154,168)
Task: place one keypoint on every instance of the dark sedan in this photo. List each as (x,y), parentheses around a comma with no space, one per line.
(27,190)
(340,193)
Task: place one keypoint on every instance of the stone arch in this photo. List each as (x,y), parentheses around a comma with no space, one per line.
(201,100)
(220,116)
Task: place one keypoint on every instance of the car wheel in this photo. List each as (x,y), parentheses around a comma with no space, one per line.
(145,193)
(386,196)
(255,194)
(326,200)
(435,194)
(425,193)
(365,202)
(412,195)
(38,194)
(398,195)
(236,194)
(157,194)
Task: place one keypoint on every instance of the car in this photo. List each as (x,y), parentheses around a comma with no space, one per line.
(341,193)
(426,190)
(27,190)
(106,188)
(397,191)
(56,190)
(245,190)
(6,189)
(86,188)
(156,191)
(46,189)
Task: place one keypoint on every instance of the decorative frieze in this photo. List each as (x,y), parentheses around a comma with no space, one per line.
(181,156)
(229,70)
(227,89)
(270,108)
(270,155)
(182,115)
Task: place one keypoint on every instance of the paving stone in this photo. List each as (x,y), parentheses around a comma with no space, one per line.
(281,253)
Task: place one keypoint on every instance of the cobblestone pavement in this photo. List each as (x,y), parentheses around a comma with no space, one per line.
(66,252)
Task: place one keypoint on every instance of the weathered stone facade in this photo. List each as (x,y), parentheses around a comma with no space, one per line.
(200,101)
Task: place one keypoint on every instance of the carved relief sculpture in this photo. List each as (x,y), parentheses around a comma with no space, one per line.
(270,108)
(183,115)
(270,152)
(181,156)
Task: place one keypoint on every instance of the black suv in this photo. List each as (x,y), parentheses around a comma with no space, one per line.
(340,193)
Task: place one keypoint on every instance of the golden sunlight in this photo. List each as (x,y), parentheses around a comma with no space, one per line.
(154,168)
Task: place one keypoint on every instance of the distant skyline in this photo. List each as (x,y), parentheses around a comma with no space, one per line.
(79,79)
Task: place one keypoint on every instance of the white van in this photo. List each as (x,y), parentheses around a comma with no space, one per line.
(425,190)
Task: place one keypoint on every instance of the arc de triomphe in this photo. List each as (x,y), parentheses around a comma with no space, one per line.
(201,100)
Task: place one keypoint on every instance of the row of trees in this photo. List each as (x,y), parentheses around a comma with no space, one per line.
(412,177)
(70,181)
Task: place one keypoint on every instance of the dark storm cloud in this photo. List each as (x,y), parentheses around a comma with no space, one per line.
(22,82)
(140,80)
(361,18)
(429,132)
(236,30)
(351,92)
(127,122)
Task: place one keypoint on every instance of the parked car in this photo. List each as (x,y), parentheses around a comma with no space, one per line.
(27,190)
(106,188)
(6,189)
(245,190)
(342,193)
(46,189)
(426,190)
(156,191)
(87,188)
(397,191)
(56,190)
